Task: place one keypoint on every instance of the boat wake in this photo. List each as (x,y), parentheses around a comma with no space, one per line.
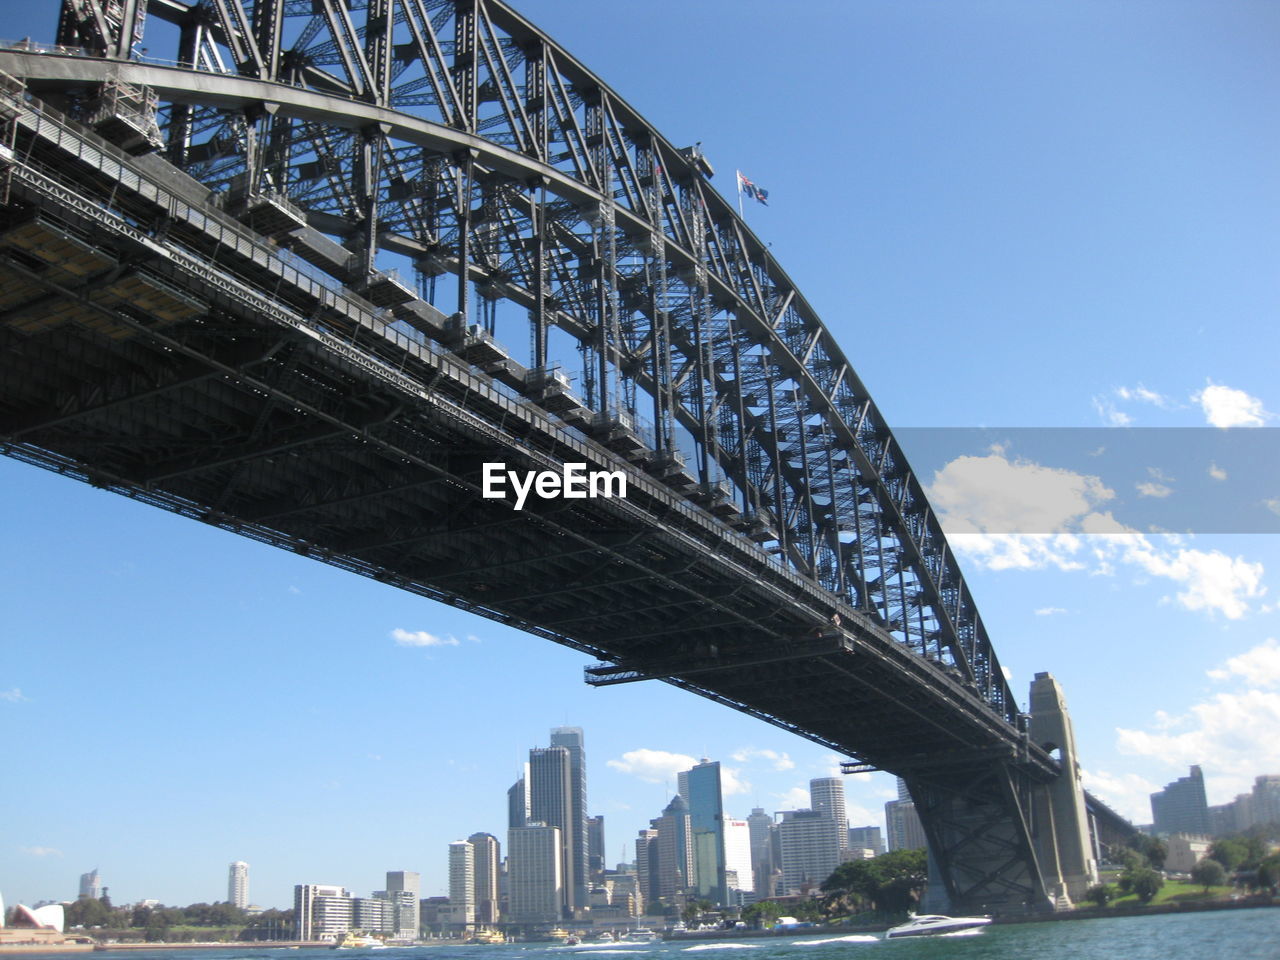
(851,938)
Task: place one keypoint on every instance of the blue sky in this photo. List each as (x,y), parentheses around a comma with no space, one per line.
(1011,214)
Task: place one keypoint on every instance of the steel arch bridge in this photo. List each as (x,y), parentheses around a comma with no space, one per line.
(198,310)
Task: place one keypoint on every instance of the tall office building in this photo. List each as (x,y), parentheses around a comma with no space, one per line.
(487,856)
(826,795)
(595,846)
(647,863)
(535,880)
(739,877)
(578,842)
(404,889)
(551,803)
(238,885)
(91,885)
(675,850)
(462,882)
(867,838)
(518,800)
(810,848)
(700,787)
(1181,806)
(322,910)
(902,822)
(760,825)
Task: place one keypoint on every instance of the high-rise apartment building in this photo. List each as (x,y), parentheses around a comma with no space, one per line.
(577,843)
(551,803)
(487,857)
(322,910)
(238,885)
(826,795)
(700,787)
(1181,806)
(91,885)
(810,848)
(462,882)
(535,879)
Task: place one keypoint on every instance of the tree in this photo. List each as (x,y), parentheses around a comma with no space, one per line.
(1230,852)
(761,913)
(1209,873)
(1267,876)
(892,882)
(1152,850)
(1146,883)
(1100,894)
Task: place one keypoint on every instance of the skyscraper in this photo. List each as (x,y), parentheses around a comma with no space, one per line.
(487,857)
(647,863)
(706,820)
(578,873)
(675,850)
(518,800)
(91,884)
(739,877)
(867,838)
(826,795)
(462,882)
(404,889)
(238,885)
(551,803)
(595,846)
(903,823)
(760,825)
(535,881)
(1181,806)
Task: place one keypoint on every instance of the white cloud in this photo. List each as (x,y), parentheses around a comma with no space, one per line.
(1108,411)
(1227,407)
(41,851)
(652,766)
(420,638)
(731,782)
(1238,731)
(797,798)
(1212,581)
(1050,611)
(1260,667)
(779,761)
(1217,472)
(996,495)
(1142,395)
(1153,490)
(14,695)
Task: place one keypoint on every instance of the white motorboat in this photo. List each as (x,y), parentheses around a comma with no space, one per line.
(928,925)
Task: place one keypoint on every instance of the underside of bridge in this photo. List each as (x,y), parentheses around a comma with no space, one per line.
(193,314)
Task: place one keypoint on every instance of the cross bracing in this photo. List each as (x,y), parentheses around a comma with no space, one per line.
(299,393)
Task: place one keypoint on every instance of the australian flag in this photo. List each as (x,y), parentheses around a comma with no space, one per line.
(751,190)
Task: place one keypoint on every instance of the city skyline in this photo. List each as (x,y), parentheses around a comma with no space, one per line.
(1063,217)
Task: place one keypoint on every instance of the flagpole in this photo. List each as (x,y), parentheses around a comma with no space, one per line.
(737,182)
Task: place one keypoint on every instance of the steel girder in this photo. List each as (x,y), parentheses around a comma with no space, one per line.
(458,134)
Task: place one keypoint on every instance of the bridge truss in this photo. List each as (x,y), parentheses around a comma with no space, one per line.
(198,311)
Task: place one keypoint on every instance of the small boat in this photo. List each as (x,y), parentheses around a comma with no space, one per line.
(641,935)
(928,925)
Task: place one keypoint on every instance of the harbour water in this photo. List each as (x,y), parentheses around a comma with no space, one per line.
(1233,934)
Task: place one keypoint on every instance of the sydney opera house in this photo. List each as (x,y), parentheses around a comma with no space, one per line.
(41,926)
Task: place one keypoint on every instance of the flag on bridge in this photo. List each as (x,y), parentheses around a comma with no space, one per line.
(751,190)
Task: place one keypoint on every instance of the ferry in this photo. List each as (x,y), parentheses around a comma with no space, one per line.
(359,941)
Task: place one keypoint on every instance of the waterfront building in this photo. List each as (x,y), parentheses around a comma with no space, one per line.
(373,915)
(551,804)
(404,889)
(760,825)
(810,846)
(826,795)
(675,851)
(700,787)
(866,838)
(739,877)
(535,879)
(238,885)
(322,911)
(91,885)
(1185,852)
(1181,807)
(487,856)
(577,843)
(462,883)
